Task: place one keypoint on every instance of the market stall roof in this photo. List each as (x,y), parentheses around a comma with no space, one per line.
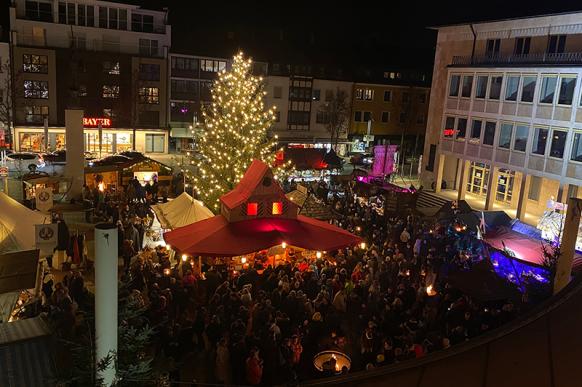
(314,207)
(26,354)
(17,222)
(181,211)
(121,161)
(482,283)
(256,215)
(218,237)
(18,270)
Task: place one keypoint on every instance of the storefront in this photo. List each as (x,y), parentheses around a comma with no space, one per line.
(114,174)
(479,178)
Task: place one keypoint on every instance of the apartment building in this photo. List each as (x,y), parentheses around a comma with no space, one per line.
(190,79)
(390,110)
(302,96)
(5,96)
(505,115)
(109,59)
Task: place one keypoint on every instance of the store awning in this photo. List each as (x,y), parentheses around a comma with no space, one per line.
(217,237)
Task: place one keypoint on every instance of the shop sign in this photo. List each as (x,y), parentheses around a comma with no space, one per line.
(93,122)
(449,132)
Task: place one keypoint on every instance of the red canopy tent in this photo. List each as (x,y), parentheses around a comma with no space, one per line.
(256,215)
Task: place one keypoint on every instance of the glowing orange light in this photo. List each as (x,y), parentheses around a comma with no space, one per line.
(252,208)
(277,208)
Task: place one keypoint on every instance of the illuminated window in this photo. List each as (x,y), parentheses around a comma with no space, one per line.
(277,208)
(252,208)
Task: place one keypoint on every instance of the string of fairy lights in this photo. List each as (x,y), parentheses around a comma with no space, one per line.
(235,133)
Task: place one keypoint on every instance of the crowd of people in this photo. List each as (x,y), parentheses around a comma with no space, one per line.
(380,303)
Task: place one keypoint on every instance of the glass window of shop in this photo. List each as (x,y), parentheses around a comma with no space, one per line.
(155,143)
(34,142)
(112,142)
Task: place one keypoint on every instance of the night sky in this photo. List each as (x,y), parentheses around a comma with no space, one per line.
(363,33)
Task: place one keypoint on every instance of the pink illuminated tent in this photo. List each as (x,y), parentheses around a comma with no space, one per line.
(255,216)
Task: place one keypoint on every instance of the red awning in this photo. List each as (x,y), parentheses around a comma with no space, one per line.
(217,237)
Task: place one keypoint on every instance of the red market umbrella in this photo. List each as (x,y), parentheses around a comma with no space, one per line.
(217,237)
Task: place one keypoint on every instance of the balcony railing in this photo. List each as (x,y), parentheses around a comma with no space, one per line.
(563,58)
(90,45)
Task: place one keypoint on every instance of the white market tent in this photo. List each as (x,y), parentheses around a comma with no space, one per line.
(17,231)
(182,211)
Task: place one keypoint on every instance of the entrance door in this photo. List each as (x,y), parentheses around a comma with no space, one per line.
(504,186)
(478,179)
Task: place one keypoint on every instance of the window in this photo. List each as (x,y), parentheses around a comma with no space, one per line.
(522,46)
(155,143)
(402,118)
(567,85)
(181,65)
(577,147)
(35,10)
(511,88)
(277,116)
(387,95)
(420,118)
(495,87)
(489,134)
(449,127)
(358,116)
(422,98)
(481,88)
(467,86)
(405,97)
(35,63)
(149,72)
(277,91)
(85,15)
(461,128)
(67,13)
(322,117)
(492,46)
(36,89)
(558,143)
(535,187)
(252,209)
(109,113)
(35,114)
(142,23)
(277,208)
(82,90)
(212,66)
(183,89)
(364,94)
(454,85)
(520,142)
(111,68)
(148,47)
(528,88)
(367,116)
(385,116)
(149,95)
(110,91)
(505,135)
(328,95)
(298,117)
(315,95)
(548,89)
(476,129)
(539,141)
(556,44)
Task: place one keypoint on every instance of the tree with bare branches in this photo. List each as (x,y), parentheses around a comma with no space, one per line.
(336,113)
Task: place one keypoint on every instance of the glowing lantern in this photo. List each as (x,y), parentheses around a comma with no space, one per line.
(252,209)
(184,257)
(318,254)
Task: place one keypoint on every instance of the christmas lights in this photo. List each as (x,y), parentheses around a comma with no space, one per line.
(235,132)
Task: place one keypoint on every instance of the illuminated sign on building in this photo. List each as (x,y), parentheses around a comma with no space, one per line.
(449,132)
(93,122)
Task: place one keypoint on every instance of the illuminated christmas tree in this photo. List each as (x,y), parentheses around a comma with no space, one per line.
(235,133)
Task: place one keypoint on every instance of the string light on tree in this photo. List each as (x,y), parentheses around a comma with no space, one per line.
(235,133)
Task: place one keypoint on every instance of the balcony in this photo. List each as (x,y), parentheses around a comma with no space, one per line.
(93,45)
(540,59)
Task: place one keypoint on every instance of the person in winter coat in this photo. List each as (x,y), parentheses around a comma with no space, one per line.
(254,368)
(222,369)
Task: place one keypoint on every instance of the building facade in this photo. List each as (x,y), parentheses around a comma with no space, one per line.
(505,115)
(6,113)
(109,59)
(302,109)
(390,114)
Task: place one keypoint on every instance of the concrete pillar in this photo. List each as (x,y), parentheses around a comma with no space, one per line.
(106,297)
(459,173)
(439,173)
(568,244)
(462,190)
(523,194)
(75,167)
(491,187)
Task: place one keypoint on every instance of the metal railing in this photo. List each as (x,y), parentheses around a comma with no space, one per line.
(89,45)
(563,58)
